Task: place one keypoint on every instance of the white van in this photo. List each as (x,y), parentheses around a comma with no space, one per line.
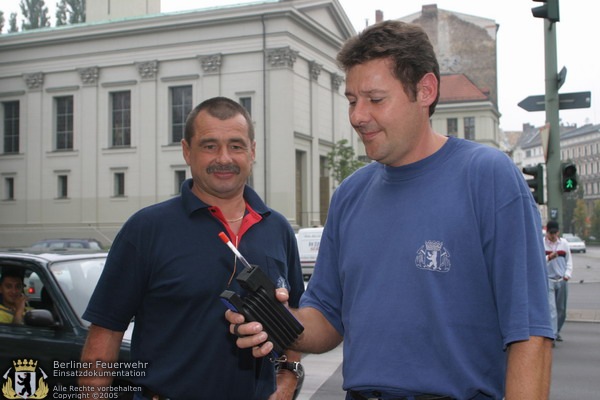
(309,240)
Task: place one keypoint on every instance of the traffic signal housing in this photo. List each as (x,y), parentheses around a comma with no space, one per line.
(549,10)
(536,182)
(568,177)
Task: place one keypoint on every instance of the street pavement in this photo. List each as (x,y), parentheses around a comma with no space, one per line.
(576,360)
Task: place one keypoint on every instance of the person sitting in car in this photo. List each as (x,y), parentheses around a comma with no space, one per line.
(14,302)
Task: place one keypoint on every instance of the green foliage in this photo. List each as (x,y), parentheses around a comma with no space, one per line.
(35,14)
(579,218)
(569,205)
(61,13)
(12,23)
(70,12)
(595,220)
(341,160)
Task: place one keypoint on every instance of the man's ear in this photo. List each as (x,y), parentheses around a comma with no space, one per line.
(185,149)
(427,89)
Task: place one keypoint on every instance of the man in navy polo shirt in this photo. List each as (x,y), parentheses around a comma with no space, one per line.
(168,266)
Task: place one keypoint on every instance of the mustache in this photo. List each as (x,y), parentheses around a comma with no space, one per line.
(223,168)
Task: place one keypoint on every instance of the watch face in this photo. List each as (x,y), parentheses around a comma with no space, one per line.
(299,371)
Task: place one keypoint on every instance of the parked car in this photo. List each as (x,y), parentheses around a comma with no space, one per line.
(57,244)
(59,286)
(309,240)
(576,244)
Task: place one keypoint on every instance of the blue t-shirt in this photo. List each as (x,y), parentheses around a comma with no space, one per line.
(430,270)
(167,268)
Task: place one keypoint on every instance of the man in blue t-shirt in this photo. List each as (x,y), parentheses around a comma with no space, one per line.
(431,265)
(168,266)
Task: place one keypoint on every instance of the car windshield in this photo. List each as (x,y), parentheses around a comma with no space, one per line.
(573,239)
(77,279)
(67,244)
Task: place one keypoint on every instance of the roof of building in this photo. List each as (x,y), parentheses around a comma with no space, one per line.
(532,138)
(459,88)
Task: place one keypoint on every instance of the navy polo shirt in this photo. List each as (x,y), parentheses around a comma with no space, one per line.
(167,268)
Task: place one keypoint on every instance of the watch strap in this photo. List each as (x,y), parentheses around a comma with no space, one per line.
(294,367)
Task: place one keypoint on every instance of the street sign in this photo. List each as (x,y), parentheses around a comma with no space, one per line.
(561,77)
(566,101)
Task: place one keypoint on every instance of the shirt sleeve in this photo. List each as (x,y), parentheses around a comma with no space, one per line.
(569,260)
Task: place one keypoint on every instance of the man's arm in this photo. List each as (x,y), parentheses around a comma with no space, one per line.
(104,345)
(319,335)
(529,369)
(287,380)
(569,260)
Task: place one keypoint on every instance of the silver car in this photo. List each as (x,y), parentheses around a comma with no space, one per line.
(576,244)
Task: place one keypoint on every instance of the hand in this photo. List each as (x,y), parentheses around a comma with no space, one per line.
(20,303)
(251,334)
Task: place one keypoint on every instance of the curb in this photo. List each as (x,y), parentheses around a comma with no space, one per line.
(583,315)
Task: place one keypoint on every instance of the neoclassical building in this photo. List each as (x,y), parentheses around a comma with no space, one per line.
(93,113)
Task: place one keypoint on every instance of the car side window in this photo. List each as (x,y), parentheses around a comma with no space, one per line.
(14,293)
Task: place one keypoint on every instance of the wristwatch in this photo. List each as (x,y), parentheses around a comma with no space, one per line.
(295,367)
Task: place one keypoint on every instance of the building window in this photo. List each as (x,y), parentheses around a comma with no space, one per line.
(11,127)
(63,187)
(121,119)
(64,123)
(9,188)
(469,128)
(119,180)
(179,179)
(181,105)
(246,102)
(452,127)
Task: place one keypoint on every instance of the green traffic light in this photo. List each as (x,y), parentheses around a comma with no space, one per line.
(569,184)
(569,177)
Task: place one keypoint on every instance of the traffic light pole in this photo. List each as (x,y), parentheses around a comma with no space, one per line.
(553,172)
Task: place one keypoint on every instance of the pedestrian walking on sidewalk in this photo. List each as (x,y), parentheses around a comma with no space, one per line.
(559,266)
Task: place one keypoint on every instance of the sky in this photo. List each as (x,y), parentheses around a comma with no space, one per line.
(520,46)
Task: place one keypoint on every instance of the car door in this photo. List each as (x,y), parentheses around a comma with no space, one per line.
(60,340)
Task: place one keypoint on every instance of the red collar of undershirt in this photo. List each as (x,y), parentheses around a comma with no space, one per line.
(251,218)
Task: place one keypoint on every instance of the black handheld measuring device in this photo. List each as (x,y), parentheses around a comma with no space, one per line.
(261,304)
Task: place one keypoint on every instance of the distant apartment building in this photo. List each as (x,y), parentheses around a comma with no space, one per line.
(580,145)
(466,49)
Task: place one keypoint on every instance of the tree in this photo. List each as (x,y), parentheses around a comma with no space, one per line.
(595,228)
(341,161)
(73,9)
(580,218)
(569,204)
(12,23)
(35,14)
(1,21)
(61,13)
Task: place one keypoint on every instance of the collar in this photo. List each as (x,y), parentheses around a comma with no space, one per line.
(191,203)
(418,168)
(6,309)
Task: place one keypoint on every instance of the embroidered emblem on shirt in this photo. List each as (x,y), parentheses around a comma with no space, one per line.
(433,256)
